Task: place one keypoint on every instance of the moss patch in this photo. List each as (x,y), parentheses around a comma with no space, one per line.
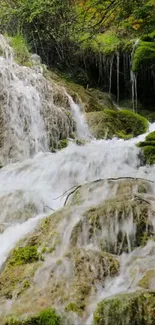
(127,309)
(24,255)
(148,148)
(124,124)
(62,144)
(147,280)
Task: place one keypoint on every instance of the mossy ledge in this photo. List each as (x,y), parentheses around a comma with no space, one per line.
(131,308)
(123,124)
(148,148)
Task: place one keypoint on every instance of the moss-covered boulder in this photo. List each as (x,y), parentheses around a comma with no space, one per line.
(123,124)
(148,280)
(118,224)
(91,99)
(144,55)
(126,309)
(148,148)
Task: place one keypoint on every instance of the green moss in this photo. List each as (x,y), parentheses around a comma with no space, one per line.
(46,317)
(148,148)
(147,280)
(22,55)
(144,54)
(62,144)
(1,51)
(149,114)
(80,142)
(107,42)
(150,136)
(149,154)
(24,255)
(120,123)
(16,279)
(133,308)
(122,135)
(132,122)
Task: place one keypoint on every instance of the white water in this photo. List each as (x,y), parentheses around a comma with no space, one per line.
(39,178)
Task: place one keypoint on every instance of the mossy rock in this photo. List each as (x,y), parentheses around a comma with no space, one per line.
(124,124)
(148,148)
(149,114)
(99,101)
(148,280)
(107,224)
(144,55)
(92,99)
(46,317)
(62,144)
(150,136)
(15,280)
(126,309)
(90,269)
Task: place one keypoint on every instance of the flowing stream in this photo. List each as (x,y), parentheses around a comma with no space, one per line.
(37,179)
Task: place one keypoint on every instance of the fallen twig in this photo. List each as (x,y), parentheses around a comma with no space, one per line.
(71,193)
(63,194)
(46,206)
(141,199)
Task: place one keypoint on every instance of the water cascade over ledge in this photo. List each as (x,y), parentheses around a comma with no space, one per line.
(33,179)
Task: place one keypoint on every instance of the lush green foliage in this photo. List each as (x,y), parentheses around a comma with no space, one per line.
(56,24)
(80,37)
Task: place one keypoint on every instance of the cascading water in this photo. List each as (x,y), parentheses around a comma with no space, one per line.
(133,78)
(39,176)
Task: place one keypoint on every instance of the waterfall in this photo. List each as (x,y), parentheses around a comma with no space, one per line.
(35,113)
(118,72)
(110,72)
(81,125)
(133,78)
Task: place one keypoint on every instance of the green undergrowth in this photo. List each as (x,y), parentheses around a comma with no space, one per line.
(123,124)
(46,317)
(132,308)
(148,148)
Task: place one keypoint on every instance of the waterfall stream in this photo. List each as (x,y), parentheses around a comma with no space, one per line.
(35,176)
